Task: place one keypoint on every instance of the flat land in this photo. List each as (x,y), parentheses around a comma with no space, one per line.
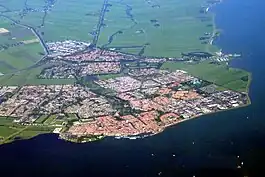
(220,75)
(167,26)
(177,20)
(17,49)
(29,77)
(162,28)
(41,119)
(151,28)
(10,130)
(33,131)
(50,119)
(20,57)
(109,76)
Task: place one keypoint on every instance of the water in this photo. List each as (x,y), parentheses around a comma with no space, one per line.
(208,146)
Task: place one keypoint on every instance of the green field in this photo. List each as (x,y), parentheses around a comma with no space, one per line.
(29,77)
(20,57)
(109,76)
(176,32)
(162,28)
(6,131)
(221,75)
(60,24)
(9,130)
(41,119)
(33,131)
(13,55)
(50,119)
(178,20)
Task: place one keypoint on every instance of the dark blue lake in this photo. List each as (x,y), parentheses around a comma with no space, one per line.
(213,145)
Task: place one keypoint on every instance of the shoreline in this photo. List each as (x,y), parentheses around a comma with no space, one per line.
(213,37)
(144,135)
(215,29)
(94,138)
(173,124)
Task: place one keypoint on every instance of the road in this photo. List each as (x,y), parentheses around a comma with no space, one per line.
(34,31)
(100,22)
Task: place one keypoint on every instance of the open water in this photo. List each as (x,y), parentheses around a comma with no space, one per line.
(213,145)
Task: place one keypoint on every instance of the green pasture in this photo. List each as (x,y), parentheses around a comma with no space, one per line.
(181,24)
(29,77)
(221,75)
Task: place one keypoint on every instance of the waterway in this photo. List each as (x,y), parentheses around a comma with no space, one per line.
(211,145)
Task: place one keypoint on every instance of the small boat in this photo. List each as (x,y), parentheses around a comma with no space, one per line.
(133,138)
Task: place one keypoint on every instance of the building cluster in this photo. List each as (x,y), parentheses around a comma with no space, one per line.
(220,57)
(59,71)
(100,68)
(165,104)
(91,107)
(140,72)
(97,54)
(68,47)
(151,100)
(72,58)
(156,78)
(157,113)
(120,84)
(155,60)
(6,92)
(127,125)
(65,70)
(30,101)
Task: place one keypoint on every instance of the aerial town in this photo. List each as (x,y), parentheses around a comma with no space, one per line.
(71,59)
(139,101)
(135,98)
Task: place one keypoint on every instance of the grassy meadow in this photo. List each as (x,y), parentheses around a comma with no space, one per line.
(10,131)
(180,23)
(165,27)
(221,75)
(29,77)
(14,55)
(179,31)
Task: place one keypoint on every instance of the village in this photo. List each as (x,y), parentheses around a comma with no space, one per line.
(70,59)
(154,99)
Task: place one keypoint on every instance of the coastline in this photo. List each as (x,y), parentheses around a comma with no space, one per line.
(93,138)
(214,31)
(247,91)
(213,37)
(136,136)
(227,143)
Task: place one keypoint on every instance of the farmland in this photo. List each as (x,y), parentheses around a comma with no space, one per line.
(221,75)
